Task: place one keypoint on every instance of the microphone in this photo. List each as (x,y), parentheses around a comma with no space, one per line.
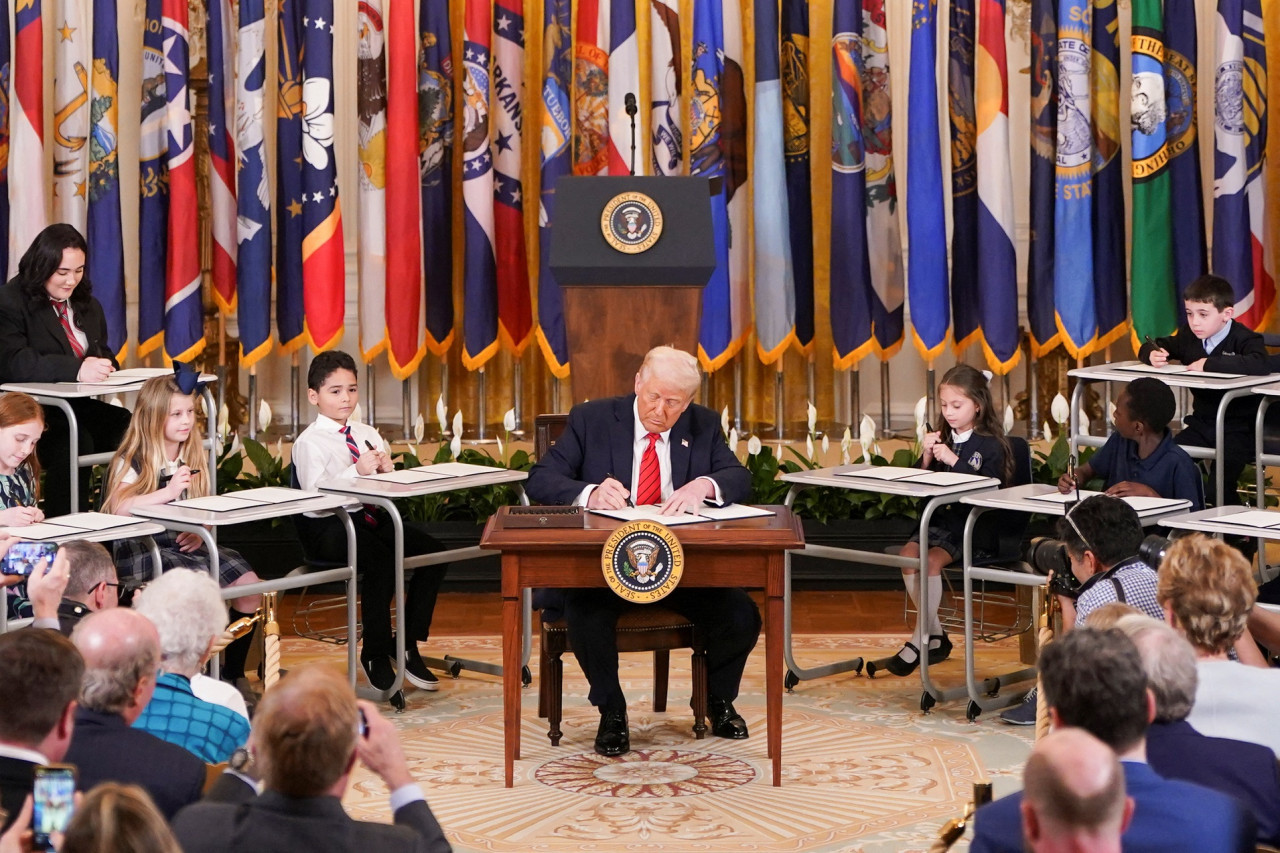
(630,103)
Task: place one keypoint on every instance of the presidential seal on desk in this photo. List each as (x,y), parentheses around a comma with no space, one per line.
(642,561)
(631,222)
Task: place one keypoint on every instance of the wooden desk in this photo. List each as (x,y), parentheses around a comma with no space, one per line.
(745,553)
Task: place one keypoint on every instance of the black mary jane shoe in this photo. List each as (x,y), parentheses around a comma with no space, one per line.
(898,666)
(943,650)
(613,738)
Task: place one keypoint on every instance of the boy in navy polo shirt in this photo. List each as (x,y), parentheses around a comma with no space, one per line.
(1141,457)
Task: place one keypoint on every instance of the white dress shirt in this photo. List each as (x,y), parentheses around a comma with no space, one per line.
(321,452)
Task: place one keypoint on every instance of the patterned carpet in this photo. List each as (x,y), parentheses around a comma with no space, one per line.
(863,769)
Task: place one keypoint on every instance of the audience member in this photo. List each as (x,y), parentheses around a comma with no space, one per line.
(1073,795)
(42,669)
(307,734)
(1175,750)
(114,818)
(188,613)
(91,585)
(121,651)
(1206,588)
(1094,680)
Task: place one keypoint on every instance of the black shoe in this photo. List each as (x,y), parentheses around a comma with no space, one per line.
(899,666)
(940,652)
(379,671)
(416,672)
(725,721)
(613,738)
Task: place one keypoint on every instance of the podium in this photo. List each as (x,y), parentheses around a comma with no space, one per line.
(622,299)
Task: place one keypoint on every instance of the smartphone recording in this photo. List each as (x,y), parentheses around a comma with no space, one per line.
(23,557)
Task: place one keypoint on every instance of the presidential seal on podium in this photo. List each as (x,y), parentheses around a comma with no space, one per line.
(642,561)
(631,222)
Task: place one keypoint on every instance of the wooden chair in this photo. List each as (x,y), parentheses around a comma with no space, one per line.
(641,628)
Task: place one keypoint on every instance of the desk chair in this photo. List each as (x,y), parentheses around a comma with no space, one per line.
(641,628)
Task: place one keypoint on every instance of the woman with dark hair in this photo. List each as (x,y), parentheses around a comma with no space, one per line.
(53,330)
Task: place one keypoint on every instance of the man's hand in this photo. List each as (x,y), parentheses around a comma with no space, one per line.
(47,583)
(188,542)
(610,494)
(689,497)
(18,838)
(1131,489)
(1197,365)
(380,749)
(1159,357)
(94,369)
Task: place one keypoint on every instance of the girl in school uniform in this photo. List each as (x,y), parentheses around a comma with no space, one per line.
(971,441)
(21,425)
(162,459)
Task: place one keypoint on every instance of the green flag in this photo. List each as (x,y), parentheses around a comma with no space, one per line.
(1154,292)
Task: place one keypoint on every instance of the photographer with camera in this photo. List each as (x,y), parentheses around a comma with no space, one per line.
(1095,564)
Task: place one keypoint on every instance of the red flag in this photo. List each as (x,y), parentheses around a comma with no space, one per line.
(404,235)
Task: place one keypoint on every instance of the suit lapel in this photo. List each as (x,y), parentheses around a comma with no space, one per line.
(681,451)
(622,439)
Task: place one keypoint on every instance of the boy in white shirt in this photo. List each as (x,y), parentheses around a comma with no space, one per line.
(334,447)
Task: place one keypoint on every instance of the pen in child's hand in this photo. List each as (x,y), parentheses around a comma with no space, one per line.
(369,444)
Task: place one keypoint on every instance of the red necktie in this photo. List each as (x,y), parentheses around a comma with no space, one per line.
(649,485)
(60,308)
(355,457)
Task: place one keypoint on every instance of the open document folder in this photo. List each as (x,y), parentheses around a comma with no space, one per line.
(653,512)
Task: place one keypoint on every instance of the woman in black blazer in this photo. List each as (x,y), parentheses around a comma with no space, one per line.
(35,346)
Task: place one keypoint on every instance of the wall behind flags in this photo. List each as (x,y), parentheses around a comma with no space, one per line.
(907,371)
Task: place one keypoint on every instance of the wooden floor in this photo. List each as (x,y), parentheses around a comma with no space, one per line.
(813,612)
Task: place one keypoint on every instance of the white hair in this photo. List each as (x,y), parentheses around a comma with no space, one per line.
(187,610)
(672,364)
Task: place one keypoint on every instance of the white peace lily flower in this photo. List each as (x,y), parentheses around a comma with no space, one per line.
(417,452)
(280,448)
(357,415)
(224,420)
(1008,419)
(813,419)
(1111,412)
(753,445)
(501,453)
(235,443)
(419,428)
(733,440)
(1060,409)
(876,449)
(442,415)
(866,436)
(808,447)
(509,420)
(455,445)
(846,441)
(1082,420)
(1048,433)
(264,415)
(922,409)
(826,444)
(457,425)
(724,420)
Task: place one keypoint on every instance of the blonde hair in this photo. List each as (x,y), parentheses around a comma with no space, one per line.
(143,447)
(18,408)
(115,818)
(1209,587)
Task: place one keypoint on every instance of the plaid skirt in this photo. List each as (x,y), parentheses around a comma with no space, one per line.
(134,565)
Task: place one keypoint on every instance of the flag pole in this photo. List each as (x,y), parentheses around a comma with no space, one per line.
(295,372)
(1033,383)
(371,379)
(253,402)
(778,392)
(844,393)
(406,403)
(930,391)
(517,379)
(737,394)
(855,395)
(884,399)
(483,389)
(444,393)
(555,394)
(221,370)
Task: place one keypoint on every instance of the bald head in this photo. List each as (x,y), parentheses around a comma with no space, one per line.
(1073,788)
(121,651)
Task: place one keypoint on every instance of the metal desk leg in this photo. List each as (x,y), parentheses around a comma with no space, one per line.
(345,518)
(73,440)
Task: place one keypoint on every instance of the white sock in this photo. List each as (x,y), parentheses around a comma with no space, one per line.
(929,613)
(911,580)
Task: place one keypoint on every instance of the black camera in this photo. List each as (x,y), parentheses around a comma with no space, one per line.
(1152,550)
(1046,555)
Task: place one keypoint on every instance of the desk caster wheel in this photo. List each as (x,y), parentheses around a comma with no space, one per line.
(927,702)
(455,668)
(526,677)
(857,666)
(397,701)
(971,713)
(790,681)
(993,687)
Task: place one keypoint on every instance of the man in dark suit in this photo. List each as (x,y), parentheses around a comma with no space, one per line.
(42,669)
(1175,750)
(1094,680)
(121,651)
(307,734)
(52,329)
(651,447)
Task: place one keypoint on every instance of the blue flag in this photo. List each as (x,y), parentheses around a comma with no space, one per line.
(253,194)
(850,262)
(1073,287)
(153,185)
(105,237)
(556,131)
(1187,216)
(1044,131)
(1109,276)
(289,229)
(435,115)
(927,250)
(796,144)
(966,310)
